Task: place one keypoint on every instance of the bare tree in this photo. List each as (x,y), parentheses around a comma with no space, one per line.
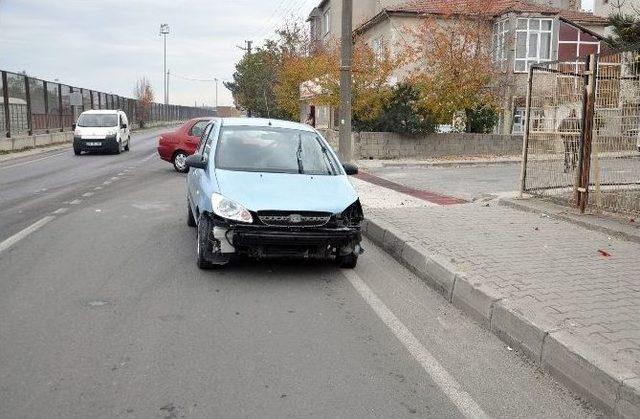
(143,92)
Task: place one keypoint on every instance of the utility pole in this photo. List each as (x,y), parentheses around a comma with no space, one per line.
(164,31)
(344,145)
(216,80)
(247,49)
(168,77)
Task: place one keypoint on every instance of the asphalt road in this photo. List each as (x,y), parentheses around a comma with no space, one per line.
(104,314)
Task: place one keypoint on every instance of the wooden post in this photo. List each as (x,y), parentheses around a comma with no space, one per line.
(27,92)
(587,134)
(5,95)
(525,139)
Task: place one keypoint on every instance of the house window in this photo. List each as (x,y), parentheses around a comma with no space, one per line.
(533,42)
(499,53)
(326,22)
(518,120)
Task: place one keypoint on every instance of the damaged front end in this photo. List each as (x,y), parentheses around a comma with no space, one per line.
(289,234)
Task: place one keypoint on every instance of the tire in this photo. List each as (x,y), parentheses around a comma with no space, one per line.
(117,149)
(179,162)
(77,151)
(347,261)
(202,245)
(191,222)
(126,148)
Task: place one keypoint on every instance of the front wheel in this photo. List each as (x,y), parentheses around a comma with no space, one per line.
(347,261)
(191,221)
(117,148)
(77,151)
(126,148)
(180,162)
(202,242)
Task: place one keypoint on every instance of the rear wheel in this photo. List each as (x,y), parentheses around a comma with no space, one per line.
(347,261)
(180,162)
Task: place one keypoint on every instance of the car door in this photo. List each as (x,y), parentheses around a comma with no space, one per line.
(125,123)
(194,135)
(121,127)
(194,177)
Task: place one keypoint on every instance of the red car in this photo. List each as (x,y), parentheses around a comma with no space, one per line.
(176,146)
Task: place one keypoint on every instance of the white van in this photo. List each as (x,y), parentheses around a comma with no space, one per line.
(101,130)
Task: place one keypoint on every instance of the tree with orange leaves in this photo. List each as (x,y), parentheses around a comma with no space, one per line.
(320,72)
(452,61)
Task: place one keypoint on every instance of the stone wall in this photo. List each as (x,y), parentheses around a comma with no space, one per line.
(385,145)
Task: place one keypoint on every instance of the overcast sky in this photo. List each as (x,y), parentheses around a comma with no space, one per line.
(108,44)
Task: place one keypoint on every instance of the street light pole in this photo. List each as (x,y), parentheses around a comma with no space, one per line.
(344,145)
(164,31)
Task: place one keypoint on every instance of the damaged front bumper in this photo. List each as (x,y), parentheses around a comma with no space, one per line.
(259,241)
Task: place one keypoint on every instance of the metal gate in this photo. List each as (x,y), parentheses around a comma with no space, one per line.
(582,132)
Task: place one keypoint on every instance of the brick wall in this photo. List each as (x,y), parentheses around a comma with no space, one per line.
(384,145)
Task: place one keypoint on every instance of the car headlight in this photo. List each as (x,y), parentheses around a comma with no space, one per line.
(230,209)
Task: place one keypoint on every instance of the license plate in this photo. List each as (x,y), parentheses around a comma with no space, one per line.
(94,144)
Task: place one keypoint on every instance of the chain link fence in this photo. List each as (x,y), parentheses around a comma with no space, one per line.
(582,138)
(32,106)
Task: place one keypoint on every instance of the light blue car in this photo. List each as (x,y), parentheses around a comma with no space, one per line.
(268,188)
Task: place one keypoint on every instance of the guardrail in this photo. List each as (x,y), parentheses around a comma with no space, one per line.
(29,105)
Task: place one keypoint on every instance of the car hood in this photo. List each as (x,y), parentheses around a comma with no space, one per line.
(287,192)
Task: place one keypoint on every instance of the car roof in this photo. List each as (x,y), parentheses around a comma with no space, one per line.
(102,111)
(265,122)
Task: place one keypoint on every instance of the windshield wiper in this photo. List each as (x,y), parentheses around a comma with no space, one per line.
(299,155)
(332,170)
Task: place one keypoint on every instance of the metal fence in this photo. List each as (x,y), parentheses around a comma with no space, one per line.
(31,106)
(582,137)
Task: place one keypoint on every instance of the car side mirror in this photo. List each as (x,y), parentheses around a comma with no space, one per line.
(124,126)
(196,161)
(350,168)
(73,127)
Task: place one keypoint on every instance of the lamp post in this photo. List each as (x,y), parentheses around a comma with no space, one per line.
(164,31)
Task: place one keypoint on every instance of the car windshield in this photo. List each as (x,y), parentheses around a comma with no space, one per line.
(98,120)
(277,150)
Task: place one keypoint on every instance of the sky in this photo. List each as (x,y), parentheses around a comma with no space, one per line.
(109,44)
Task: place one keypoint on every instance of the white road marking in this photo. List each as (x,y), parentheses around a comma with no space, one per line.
(24,233)
(33,161)
(115,178)
(106,182)
(88,194)
(445,381)
(75,202)
(148,158)
(97,188)
(60,211)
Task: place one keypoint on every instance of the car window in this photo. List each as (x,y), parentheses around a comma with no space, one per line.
(204,138)
(98,120)
(278,150)
(198,128)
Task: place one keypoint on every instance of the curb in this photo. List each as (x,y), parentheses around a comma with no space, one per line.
(599,378)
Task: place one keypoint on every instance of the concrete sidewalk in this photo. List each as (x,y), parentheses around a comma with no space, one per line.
(566,296)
